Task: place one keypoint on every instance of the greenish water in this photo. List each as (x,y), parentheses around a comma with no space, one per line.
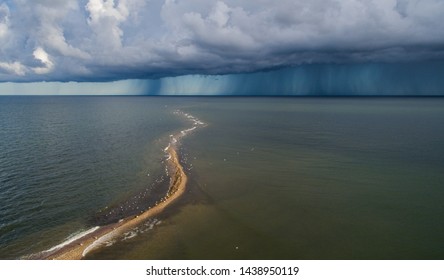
(270,178)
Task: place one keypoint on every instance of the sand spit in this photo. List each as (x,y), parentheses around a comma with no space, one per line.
(84,245)
(100,236)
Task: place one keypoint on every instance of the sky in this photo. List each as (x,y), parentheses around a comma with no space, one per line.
(247,47)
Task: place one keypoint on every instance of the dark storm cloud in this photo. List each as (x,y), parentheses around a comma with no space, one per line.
(99,40)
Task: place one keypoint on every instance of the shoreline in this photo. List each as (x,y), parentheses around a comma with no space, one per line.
(79,248)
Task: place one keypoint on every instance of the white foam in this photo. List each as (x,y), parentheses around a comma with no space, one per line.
(166,149)
(72,238)
(110,243)
(104,240)
(149,225)
(130,234)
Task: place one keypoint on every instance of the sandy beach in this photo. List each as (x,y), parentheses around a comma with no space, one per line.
(94,240)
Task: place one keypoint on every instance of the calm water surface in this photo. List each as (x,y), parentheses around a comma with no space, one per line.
(270,178)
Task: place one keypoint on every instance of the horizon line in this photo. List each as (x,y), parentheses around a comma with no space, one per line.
(232,95)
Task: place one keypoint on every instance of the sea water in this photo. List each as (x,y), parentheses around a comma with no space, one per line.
(269,178)
(66,160)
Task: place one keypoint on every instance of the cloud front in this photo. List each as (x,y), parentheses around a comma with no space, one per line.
(107,40)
